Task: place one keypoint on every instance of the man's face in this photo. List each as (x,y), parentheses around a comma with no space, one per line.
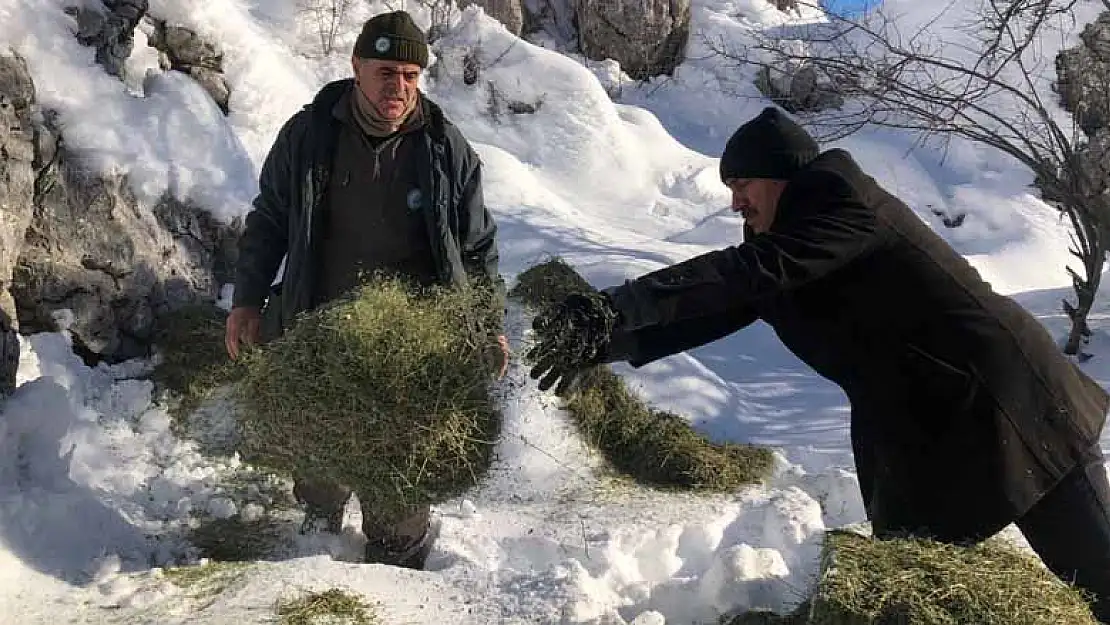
(757,199)
(390,86)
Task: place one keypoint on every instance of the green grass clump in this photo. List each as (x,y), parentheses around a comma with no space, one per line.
(236,540)
(653,447)
(549,282)
(386,392)
(921,582)
(912,581)
(659,448)
(332,606)
(194,359)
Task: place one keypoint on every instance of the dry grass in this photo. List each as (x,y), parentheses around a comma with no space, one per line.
(236,540)
(332,606)
(920,582)
(865,581)
(659,448)
(653,447)
(386,392)
(205,581)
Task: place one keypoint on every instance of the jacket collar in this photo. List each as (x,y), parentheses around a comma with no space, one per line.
(321,107)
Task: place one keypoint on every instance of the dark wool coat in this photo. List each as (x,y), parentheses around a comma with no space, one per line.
(285,222)
(964,410)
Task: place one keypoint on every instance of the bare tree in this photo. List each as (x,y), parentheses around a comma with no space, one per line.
(327,18)
(439,13)
(983,79)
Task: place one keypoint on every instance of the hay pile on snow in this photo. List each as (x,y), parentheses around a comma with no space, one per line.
(864,581)
(653,447)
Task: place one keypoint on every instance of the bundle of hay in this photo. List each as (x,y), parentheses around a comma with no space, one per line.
(386,391)
(922,582)
(653,447)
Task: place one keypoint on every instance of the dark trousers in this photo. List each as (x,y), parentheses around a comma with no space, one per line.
(326,500)
(1069,528)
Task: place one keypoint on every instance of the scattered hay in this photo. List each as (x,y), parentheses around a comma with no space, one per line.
(549,282)
(659,448)
(330,606)
(920,582)
(653,447)
(194,359)
(387,392)
(763,617)
(204,581)
(237,540)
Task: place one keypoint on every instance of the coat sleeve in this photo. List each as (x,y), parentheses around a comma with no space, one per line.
(806,248)
(478,243)
(648,344)
(265,237)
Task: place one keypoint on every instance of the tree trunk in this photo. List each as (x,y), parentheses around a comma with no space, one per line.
(1085,291)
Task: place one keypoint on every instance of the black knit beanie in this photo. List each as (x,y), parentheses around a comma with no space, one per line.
(769,146)
(392,37)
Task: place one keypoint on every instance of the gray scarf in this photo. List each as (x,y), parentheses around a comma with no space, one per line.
(371,122)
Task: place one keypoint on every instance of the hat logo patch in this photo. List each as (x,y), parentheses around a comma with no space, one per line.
(382,44)
(414,199)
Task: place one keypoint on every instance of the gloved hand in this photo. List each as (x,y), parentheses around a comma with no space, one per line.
(572,336)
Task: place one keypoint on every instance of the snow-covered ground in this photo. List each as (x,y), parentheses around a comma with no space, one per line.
(90,469)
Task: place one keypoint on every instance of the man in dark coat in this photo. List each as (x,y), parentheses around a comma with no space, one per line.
(368,178)
(965,414)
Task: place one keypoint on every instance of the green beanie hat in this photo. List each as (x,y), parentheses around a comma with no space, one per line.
(392,37)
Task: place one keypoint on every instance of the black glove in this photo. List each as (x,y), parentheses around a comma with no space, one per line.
(571,336)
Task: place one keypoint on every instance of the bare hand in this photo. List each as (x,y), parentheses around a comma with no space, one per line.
(504,344)
(244,325)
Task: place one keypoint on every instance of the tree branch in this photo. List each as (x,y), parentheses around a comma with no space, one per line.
(981,80)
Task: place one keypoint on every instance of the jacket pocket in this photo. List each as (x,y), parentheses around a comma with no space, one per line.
(943,393)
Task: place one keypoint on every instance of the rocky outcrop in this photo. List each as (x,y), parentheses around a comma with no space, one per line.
(111,30)
(78,240)
(93,249)
(1083,77)
(17,187)
(1083,82)
(555,17)
(508,12)
(184,51)
(647,37)
(19,158)
(798,89)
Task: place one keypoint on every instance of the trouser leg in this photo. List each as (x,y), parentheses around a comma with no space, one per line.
(1069,528)
(324,502)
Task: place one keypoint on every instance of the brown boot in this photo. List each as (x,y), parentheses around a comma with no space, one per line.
(412,556)
(406,543)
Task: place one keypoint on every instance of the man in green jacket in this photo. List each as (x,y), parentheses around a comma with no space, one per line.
(369,177)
